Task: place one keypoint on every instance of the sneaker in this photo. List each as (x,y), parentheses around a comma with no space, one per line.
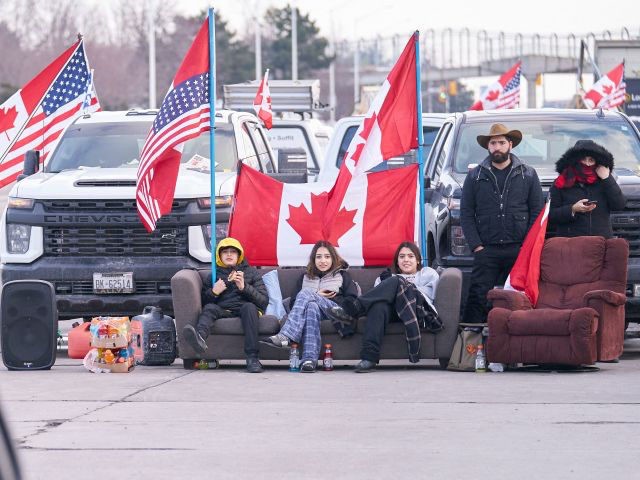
(194,339)
(278,340)
(339,314)
(365,366)
(254,365)
(308,366)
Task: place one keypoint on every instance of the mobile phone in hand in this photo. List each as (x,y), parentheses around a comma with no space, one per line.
(591,202)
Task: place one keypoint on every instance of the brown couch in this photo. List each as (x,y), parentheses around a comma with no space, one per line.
(579,317)
(226,339)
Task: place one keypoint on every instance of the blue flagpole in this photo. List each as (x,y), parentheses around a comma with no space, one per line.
(212,136)
(423,226)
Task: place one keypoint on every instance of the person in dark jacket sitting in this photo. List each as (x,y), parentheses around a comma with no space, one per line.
(238,292)
(501,199)
(585,192)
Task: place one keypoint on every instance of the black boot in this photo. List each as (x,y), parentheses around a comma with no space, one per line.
(254,365)
(194,339)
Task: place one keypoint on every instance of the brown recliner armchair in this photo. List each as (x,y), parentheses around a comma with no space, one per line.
(579,317)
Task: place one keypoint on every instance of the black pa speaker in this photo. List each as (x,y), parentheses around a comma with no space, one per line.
(29,324)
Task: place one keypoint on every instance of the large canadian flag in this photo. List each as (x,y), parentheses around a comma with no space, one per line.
(525,274)
(278,223)
(389,129)
(608,91)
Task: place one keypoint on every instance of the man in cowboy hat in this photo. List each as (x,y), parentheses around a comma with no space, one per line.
(501,198)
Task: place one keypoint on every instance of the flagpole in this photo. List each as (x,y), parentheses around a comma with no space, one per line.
(423,227)
(212,136)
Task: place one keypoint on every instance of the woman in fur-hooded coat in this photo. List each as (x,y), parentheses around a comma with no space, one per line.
(585,192)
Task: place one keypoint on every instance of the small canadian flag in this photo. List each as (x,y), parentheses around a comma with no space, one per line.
(262,102)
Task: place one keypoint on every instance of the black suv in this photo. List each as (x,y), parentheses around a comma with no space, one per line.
(547,134)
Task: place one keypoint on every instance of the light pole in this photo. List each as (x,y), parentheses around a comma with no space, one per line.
(258,49)
(152,53)
(294,43)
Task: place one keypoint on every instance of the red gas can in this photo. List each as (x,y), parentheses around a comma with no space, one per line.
(79,342)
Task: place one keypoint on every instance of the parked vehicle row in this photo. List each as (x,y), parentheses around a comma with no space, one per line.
(75,223)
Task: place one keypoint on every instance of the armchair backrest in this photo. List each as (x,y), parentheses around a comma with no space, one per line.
(571,267)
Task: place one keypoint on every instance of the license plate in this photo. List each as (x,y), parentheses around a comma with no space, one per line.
(113,282)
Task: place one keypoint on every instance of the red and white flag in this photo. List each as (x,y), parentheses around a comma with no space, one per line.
(35,116)
(525,274)
(389,129)
(278,223)
(502,94)
(184,115)
(609,91)
(262,102)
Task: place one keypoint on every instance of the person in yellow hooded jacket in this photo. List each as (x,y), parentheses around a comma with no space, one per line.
(237,292)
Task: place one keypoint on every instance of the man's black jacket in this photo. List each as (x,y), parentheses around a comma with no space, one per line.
(493,217)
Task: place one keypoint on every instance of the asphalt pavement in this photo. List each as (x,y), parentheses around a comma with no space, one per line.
(399,422)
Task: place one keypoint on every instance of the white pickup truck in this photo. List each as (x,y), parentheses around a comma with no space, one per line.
(346,128)
(75,223)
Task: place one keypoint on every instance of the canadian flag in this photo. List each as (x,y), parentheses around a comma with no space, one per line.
(389,129)
(262,102)
(609,91)
(278,223)
(525,273)
(503,93)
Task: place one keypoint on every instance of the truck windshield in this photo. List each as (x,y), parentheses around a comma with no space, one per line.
(407,158)
(544,141)
(116,145)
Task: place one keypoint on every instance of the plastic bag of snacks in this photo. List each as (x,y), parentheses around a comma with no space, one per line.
(111,342)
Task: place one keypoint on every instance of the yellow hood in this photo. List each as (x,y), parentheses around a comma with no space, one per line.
(228,242)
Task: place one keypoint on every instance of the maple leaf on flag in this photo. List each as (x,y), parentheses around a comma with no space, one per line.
(7,119)
(493,95)
(308,224)
(606,90)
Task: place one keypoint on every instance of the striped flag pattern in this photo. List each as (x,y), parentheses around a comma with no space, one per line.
(37,114)
(504,93)
(184,115)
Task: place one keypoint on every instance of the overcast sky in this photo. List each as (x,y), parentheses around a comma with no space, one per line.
(368,18)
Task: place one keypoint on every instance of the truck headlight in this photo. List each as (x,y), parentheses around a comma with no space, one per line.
(221,232)
(18,237)
(458,242)
(17,202)
(221,201)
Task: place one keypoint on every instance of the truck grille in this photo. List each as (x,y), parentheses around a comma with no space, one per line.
(91,241)
(86,288)
(626,224)
(100,206)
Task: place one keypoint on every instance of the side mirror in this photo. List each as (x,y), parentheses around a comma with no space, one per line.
(428,191)
(31,164)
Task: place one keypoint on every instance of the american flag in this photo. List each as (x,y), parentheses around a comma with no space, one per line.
(504,93)
(36,115)
(184,115)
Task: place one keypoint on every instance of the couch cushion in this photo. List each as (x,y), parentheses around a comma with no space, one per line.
(267,325)
(541,321)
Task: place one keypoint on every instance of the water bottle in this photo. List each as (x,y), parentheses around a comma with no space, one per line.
(327,361)
(481,362)
(294,358)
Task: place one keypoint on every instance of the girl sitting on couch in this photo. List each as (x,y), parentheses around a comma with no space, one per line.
(326,284)
(404,292)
